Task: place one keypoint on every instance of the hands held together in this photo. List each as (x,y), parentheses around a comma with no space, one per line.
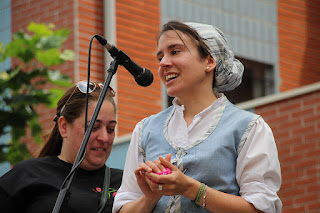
(171,182)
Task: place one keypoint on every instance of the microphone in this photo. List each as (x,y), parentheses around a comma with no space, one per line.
(141,75)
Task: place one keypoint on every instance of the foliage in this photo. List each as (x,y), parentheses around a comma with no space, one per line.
(22,87)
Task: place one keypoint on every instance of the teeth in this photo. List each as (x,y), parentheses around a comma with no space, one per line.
(171,76)
(99,149)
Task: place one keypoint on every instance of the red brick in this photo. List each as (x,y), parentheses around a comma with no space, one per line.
(304,163)
(305,199)
(292,192)
(305,180)
(294,209)
(314,207)
(297,29)
(315,187)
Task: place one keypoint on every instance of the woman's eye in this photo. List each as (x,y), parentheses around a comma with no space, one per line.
(95,128)
(175,51)
(110,130)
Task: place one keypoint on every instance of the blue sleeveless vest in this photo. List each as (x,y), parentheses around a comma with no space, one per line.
(210,160)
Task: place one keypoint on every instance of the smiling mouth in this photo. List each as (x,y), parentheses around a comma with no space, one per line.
(98,149)
(171,77)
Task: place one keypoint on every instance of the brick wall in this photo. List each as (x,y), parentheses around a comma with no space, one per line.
(23,12)
(137,23)
(89,17)
(299,42)
(295,123)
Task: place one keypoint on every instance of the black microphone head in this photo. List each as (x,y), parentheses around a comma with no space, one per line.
(102,40)
(145,78)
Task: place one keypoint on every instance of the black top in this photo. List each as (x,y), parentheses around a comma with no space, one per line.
(33,186)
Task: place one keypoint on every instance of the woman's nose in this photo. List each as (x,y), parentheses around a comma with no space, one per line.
(103,135)
(165,62)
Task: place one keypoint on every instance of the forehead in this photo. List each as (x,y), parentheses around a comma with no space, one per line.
(107,109)
(172,36)
(171,39)
(106,113)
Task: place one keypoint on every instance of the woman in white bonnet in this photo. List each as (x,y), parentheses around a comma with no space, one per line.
(222,159)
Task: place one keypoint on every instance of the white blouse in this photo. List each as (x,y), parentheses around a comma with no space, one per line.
(257,172)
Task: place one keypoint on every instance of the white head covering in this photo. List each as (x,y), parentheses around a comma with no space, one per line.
(229,70)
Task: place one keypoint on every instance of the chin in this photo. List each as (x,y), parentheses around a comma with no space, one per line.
(171,93)
(99,163)
(93,165)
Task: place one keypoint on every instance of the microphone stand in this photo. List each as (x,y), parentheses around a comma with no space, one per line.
(64,193)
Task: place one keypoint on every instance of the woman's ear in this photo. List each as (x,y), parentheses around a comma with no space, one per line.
(62,122)
(211,64)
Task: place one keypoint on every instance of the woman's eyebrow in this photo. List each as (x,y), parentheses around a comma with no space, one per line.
(113,122)
(100,121)
(171,46)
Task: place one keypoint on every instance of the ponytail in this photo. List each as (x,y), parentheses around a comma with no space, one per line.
(52,143)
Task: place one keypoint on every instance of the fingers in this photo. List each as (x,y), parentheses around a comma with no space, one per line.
(150,166)
(159,165)
(139,171)
(168,157)
(153,179)
(155,166)
(166,162)
(144,167)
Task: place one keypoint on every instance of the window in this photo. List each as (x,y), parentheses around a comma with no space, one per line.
(257,81)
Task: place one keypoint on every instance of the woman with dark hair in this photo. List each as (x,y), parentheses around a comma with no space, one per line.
(33,185)
(203,154)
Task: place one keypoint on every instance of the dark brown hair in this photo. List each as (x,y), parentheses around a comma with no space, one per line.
(71,111)
(190,32)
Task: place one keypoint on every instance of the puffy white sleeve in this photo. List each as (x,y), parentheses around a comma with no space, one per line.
(129,190)
(258,169)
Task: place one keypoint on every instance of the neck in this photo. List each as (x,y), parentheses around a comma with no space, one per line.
(194,104)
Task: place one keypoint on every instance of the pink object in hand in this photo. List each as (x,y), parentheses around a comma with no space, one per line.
(165,172)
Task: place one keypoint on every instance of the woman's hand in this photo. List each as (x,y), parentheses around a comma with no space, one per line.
(175,183)
(149,188)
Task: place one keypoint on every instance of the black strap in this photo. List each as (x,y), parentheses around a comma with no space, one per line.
(105,189)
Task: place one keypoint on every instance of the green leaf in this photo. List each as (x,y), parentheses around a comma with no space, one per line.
(18,132)
(55,95)
(2,52)
(21,49)
(17,152)
(4,76)
(23,87)
(63,32)
(67,55)
(59,79)
(52,41)
(41,29)
(35,127)
(7,75)
(49,57)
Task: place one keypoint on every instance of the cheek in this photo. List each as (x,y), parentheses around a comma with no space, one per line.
(78,135)
(160,72)
(112,136)
(79,132)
